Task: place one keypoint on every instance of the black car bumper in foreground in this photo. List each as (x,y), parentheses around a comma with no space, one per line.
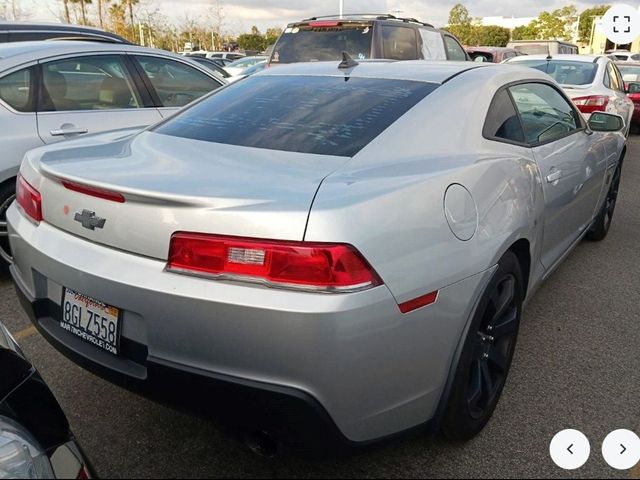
(29,410)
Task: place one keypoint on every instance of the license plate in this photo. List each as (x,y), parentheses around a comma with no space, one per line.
(91,320)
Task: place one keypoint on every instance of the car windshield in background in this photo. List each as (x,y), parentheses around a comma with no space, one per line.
(311,44)
(565,72)
(630,73)
(319,115)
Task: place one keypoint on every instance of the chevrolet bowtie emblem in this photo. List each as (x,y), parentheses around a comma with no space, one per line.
(89,220)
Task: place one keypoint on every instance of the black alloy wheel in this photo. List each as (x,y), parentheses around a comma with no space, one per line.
(487,353)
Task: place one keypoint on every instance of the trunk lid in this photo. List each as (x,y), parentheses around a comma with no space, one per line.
(173,184)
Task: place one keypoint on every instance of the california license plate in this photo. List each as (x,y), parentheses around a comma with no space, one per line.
(91,320)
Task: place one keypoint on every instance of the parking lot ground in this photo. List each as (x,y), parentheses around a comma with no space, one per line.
(576,366)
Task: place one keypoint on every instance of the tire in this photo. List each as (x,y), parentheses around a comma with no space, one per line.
(7,195)
(487,353)
(602,224)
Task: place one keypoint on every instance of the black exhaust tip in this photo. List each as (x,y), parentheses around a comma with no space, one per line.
(263,443)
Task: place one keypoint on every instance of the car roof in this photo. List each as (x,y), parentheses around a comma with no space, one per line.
(417,70)
(17,53)
(561,56)
(490,49)
(364,17)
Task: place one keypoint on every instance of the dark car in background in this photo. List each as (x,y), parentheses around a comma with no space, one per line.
(27,32)
(492,54)
(35,439)
(364,37)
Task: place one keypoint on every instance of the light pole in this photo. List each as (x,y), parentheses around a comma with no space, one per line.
(341,8)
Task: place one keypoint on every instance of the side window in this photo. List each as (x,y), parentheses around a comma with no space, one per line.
(546,115)
(432,45)
(176,83)
(16,90)
(615,84)
(508,55)
(454,50)
(87,83)
(399,43)
(607,79)
(502,120)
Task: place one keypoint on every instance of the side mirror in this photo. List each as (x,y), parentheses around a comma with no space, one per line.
(633,87)
(606,122)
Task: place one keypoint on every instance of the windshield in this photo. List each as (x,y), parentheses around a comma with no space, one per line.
(630,73)
(320,115)
(307,44)
(565,72)
(246,62)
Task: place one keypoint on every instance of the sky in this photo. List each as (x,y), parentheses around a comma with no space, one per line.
(240,15)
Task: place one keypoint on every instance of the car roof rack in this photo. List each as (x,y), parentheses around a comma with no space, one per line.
(81,38)
(372,16)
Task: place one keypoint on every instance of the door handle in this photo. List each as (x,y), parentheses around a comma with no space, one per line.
(60,132)
(554,175)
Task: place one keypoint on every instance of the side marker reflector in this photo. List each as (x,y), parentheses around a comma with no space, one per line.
(419,302)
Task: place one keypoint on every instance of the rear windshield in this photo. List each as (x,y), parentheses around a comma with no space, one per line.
(565,72)
(630,73)
(320,115)
(314,44)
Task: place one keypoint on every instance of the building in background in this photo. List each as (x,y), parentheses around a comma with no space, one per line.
(599,43)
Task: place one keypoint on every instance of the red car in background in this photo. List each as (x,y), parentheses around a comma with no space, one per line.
(491,54)
(631,77)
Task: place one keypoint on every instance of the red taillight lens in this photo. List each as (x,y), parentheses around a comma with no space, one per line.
(593,103)
(305,265)
(93,191)
(29,199)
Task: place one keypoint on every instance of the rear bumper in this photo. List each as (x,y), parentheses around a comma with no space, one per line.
(352,363)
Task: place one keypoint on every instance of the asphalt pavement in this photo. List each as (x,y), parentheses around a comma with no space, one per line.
(577,365)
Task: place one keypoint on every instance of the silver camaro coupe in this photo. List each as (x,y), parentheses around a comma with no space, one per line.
(352,245)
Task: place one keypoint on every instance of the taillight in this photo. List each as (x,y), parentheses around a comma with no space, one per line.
(28,199)
(324,24)
(592,103)
(323,267)
(94,191)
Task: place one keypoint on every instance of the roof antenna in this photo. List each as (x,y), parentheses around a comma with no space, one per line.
(549,57)
(347,61)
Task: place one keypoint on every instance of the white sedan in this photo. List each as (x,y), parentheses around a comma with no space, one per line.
(593,82)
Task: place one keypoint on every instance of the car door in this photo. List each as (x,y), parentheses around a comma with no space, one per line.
(172,83)
(19,132)
(623,105)
(90,94)
(571,164)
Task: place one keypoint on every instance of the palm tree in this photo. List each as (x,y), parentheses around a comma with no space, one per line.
(83,9)
(67,18)
(130,4)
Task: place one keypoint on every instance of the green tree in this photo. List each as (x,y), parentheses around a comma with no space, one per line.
(557,24)
(492,36)
(272,35)
(587,18)
(252,41)
(459,15)
(526,32)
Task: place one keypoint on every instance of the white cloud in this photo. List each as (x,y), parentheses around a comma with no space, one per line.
(241,15)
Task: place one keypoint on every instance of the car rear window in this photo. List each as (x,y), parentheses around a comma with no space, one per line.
(319,115)
(565,72)
(313,44)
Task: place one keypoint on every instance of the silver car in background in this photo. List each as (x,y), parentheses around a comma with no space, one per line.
(56,90)
(593,82)
(352,244)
